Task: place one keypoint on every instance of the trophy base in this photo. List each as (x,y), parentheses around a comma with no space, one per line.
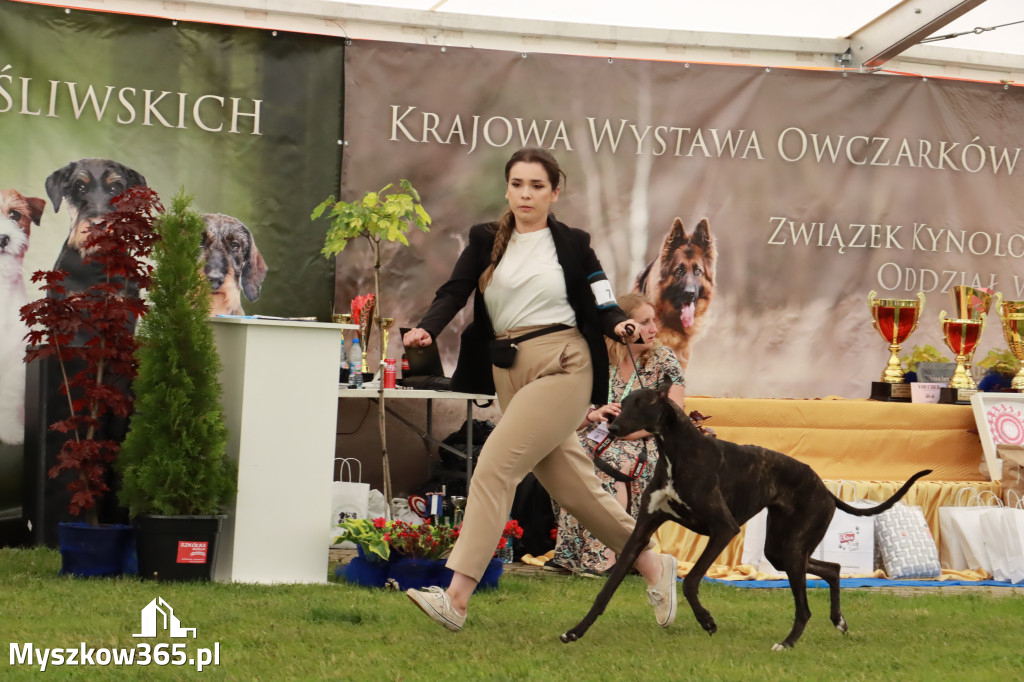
(956,396)
(893,393)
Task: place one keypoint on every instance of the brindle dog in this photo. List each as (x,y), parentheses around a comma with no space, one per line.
(712,487)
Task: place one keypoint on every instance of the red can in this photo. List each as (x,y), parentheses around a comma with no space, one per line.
(389,372)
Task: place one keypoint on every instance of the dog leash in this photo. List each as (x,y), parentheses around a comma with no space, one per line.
(641,461)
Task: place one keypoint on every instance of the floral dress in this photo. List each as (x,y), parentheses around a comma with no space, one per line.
(575,548)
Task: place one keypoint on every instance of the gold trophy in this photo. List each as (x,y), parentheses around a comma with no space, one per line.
(365,323)
(385,324)
(969,303)
(1012,315)
(895,319)
(961,335)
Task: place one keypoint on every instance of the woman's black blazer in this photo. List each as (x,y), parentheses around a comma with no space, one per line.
(581,268)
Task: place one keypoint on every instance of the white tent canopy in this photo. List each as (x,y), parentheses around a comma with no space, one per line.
(981,25)
(967,39)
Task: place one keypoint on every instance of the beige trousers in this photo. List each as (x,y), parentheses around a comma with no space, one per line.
(543,398)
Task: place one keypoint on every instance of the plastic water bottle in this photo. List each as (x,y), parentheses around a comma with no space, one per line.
(506,553)
(343,365)
(355,365)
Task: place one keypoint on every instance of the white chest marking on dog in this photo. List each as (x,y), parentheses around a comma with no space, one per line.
(660,498)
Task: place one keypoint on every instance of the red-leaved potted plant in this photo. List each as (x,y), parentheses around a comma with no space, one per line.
(89,333)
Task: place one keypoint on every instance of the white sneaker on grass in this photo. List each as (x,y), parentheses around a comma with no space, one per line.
(435,603)
(663,596)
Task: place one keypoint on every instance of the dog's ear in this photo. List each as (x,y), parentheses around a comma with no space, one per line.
(35,208)
(253,272)
(675,238)
(702,235)
(57,182)
(132,178)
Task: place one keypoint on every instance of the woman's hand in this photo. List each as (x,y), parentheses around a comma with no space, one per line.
(628,330)
(604,413)
(417,337)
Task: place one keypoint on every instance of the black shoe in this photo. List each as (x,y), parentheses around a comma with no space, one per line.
(555,567)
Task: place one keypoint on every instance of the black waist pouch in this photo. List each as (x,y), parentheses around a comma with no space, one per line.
(503,351)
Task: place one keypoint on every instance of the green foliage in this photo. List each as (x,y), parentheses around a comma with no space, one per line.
(927,354)
(376,216)
(1001,360)
(173,459)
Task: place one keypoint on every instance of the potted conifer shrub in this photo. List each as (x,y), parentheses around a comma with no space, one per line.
(89,335)
(176,474)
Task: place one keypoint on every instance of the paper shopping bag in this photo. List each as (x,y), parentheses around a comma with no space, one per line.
(849,540)
(1013,471)
(1003,534)
(350,497)
(963,545)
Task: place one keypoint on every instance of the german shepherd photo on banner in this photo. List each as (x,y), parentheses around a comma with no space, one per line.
(680,283)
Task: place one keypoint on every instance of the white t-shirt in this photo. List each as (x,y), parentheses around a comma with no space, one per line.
(528,286)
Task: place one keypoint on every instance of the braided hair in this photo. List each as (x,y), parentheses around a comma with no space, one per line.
(507,223)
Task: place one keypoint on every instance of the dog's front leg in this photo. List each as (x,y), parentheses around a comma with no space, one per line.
(635,546)
(721,534)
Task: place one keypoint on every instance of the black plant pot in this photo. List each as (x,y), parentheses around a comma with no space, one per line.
(177,548)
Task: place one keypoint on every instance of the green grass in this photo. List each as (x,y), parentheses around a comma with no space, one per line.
(341,632)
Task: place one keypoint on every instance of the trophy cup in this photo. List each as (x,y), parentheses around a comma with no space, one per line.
(459,503)
(364,319)
(1012,315)
(385,324)
(969,303)
(961,335)
(895,319)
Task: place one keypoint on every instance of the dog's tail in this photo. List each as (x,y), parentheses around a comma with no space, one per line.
(878,509)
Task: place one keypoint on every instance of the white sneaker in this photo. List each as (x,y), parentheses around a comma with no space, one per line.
(435,603)
(663,596)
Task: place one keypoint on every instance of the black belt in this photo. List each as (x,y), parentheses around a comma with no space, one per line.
(539,332)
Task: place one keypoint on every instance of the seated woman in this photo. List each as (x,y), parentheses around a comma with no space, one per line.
(576,550)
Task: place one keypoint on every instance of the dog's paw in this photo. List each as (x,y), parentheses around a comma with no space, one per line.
(780,647)
(709,625)
(841,625)
(567,637)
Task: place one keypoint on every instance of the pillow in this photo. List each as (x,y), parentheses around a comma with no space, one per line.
(905,543)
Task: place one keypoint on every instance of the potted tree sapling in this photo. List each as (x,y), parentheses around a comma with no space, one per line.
(376,216)
(176,474)
(89,335)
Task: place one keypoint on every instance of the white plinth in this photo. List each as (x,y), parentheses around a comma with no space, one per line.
(280,382)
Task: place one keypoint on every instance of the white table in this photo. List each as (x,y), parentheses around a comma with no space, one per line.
(429,396)
(279,379)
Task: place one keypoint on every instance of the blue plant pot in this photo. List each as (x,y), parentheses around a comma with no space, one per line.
(368,570)
(415,574)
(93,551)
(492,573)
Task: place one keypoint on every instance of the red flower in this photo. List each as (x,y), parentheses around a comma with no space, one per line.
(379,522)
(513,530)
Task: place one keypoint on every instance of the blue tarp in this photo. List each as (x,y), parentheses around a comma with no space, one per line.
(862,582)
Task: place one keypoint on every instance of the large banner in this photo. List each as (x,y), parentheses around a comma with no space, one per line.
(246,121)
(758,207)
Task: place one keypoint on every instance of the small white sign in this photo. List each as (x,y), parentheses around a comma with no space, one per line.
(923,392)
